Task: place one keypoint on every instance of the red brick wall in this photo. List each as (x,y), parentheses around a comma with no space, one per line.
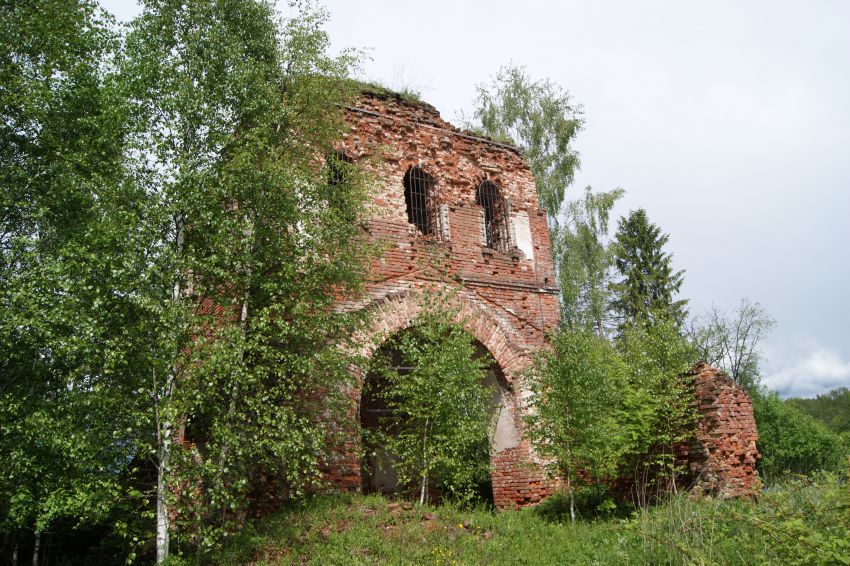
(507,301)
(722,456)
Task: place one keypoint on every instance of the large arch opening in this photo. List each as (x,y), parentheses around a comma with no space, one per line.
(378,465)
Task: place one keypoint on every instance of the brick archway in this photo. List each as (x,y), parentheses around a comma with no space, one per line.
(518,479)
(396,310)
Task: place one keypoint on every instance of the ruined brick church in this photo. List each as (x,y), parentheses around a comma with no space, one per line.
(459,212)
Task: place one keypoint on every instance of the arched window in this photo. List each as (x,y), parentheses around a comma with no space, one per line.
(338,196)
(339,165)
(489,197)
(420,201)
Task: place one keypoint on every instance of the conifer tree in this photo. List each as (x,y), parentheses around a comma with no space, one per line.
(648,285)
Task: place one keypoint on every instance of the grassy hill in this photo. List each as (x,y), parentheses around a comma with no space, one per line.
(799,522)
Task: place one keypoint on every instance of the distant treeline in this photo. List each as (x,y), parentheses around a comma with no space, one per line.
(832,408)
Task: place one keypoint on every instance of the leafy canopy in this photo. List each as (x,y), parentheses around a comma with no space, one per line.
(791,441)
(542,120)
(584,260)
(69,316)
(437,431)
(576,398)
(235,115)
(170,243)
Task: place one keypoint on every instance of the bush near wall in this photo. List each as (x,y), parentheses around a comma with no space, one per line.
(792,441)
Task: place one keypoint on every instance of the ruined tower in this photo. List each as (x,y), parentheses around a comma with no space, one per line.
(459,213)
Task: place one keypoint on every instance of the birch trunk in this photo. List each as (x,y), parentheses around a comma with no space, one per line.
(36,548)
(165,432)
(424,466)
(243,328)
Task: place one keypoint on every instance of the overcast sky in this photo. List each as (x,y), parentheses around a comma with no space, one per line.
(729,122)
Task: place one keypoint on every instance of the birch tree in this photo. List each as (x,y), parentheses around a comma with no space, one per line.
(584,259)
(437,426)
(542,120)
(236,110)
(72,335)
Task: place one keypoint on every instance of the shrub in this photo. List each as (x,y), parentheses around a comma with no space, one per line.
(792,441)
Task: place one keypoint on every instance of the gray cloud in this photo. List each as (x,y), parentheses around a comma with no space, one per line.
(728,121)
(820,371)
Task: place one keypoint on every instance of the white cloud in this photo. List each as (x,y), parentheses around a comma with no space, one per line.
(821,371)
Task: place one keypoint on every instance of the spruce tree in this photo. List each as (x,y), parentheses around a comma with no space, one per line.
(648,284)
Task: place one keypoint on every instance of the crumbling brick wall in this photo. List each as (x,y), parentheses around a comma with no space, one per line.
(506,297)
(722,456)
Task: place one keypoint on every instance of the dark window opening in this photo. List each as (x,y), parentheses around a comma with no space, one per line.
(339,166)
(420,200)
(490,199)
(338,197)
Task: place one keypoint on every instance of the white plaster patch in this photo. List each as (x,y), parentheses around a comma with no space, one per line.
(502,430)
(522,230)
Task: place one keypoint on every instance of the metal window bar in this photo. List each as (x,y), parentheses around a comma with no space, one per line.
(420,198)
(490,199)
(338,164)
(338,178)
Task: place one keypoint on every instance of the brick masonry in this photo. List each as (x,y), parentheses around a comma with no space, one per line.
(506,298)
(722,456)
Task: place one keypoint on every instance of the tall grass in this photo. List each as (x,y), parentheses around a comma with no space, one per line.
(797,521)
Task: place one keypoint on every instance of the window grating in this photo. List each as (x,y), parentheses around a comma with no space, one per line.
(421,201)
(490,199)
(339,171)
(338,168)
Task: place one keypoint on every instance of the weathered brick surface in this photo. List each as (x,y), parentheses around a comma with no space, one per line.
(506,300)
(722,456)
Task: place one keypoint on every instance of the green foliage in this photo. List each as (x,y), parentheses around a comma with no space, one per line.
(791,441)
(437,431)
(378,87)
(798,522)
(832,408)
(648,284)
(584,260)
(233,114)
(588,502)
(574,419)
(171,243)
(658,409)
(541,119)
(70,322)
(603,411)
(731,343)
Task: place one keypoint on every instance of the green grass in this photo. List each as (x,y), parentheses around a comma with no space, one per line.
(798,522)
